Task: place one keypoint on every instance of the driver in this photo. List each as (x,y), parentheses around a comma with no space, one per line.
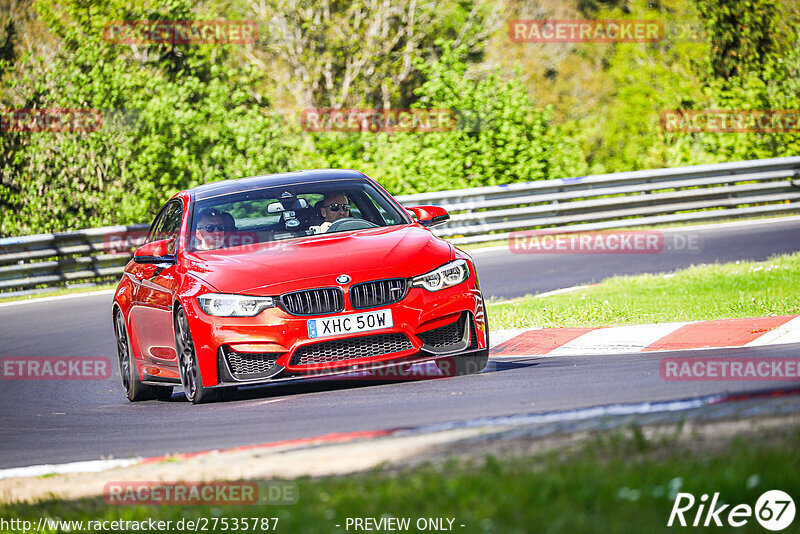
(335,206)
(211,228)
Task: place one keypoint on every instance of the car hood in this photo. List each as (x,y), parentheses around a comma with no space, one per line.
(316,261)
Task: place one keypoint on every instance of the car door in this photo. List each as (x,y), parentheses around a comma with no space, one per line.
(157,284)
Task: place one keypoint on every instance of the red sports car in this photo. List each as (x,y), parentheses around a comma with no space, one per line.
(291,276)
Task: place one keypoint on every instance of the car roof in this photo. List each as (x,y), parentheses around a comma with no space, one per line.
(225,187)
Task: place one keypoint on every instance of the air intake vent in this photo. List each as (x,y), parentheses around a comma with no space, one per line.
(377,293)
(445,336)
(248,366)
(355,347)
(313,301)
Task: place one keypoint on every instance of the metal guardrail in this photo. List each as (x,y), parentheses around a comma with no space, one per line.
(52,260)
(586,203)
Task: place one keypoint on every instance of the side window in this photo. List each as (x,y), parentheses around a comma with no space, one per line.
(168,222)
(156,226)
(172,221)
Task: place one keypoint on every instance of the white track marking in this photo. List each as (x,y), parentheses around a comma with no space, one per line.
(563,290)
(579,414)
(730,224)
(91,466)
(497,337)
(616,339)
(545,294)
(269,401)
(35,300)
(786,333)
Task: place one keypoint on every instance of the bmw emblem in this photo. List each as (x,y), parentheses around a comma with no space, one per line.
(342,279)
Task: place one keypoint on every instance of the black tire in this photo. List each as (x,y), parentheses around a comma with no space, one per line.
(464,364)
(191,380)
(131,385)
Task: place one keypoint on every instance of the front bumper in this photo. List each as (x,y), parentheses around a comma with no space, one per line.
(274,346)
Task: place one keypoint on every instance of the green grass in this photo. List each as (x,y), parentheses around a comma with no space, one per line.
(613,483)
(704,292)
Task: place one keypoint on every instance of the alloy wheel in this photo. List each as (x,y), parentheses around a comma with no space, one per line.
(123,353)
(186,356)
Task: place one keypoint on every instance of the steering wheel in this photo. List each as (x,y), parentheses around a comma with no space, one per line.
(350,223)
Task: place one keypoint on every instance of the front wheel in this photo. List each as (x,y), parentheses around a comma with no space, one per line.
(131,385)
(191,380)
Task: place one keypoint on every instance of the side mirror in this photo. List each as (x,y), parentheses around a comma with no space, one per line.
(162,251)
(429,216)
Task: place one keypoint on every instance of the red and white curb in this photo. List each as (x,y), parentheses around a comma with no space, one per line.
(723,333)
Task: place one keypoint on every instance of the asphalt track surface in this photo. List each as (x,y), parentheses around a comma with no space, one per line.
(63,421)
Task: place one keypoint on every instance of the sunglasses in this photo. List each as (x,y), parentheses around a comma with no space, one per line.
(214,228)
(335,207)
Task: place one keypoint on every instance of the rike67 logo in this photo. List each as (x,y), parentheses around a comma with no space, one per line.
(774,510)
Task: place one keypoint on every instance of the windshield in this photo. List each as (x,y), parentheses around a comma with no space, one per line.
(286,212)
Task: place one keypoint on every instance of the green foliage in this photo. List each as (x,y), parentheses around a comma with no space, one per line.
(715,55)
(743,34)
(771,89)
(173,118)
(637,83)
(753,64)
(360,53)
(176,116)
(499,137)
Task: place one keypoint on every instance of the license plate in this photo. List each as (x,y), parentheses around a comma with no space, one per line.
(348,324)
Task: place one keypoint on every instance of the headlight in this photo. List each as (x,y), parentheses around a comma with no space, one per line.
(222,305)
(447,275)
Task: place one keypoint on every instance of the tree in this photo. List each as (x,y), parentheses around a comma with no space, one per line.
(744,35)
(361,52)
(175,116)
(499,136)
